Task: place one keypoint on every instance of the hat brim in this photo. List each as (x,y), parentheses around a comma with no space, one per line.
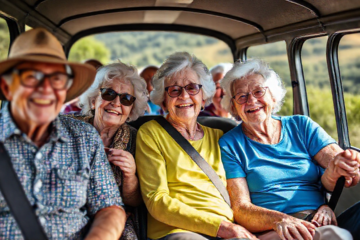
(84,74)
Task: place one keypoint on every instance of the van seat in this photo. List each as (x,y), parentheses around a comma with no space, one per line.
(224,124)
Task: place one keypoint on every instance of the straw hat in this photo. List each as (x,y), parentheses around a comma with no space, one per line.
(39,45)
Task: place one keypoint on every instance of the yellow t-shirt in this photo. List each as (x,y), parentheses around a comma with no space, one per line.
(178,194)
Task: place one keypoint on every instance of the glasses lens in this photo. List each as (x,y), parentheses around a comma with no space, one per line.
(174,91)
(259,92)
(192,88)
(241,98)
(126,99)
(108,94)
(59,80)
(31,78)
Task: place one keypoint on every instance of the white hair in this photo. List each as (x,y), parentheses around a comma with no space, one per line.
(222,68)
(105,76)
(241,70)
(178,62)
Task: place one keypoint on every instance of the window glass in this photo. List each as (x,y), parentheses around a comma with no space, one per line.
(318,88)
(276,56)
(149,48)
(349,61)
(4,39)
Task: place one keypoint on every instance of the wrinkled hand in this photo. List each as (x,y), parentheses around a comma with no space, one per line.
(231,230)
(346,164)
(324,216)
(122,159)
(292,228)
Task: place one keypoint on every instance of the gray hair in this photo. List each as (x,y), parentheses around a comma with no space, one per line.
(105,76)
(241,70)
(221,68)
(176,63)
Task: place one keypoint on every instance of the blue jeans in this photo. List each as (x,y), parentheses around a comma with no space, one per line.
(350,220)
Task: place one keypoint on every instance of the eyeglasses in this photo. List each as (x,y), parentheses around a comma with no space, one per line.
(242,98)
(32,78)
(109,95)
(175,90)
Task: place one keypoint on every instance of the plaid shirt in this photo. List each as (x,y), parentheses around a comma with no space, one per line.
(67,180)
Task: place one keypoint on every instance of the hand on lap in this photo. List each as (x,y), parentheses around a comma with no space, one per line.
(292,228)
(324,216)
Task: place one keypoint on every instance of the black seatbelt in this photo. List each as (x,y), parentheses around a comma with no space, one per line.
(196,157)
(17,201)
(337,192)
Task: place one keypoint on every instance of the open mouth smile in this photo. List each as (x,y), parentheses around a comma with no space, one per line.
(42,102)
(188,105)
(113,112)
(254,110)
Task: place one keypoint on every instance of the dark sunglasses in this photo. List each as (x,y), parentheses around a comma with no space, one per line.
(109,95)
(175,90)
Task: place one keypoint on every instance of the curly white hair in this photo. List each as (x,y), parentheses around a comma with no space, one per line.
(241,70)
(176,63)
(105,76)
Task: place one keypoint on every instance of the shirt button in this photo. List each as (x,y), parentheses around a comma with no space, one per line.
(17,132)
(42,220)
(37,186)
(38,155)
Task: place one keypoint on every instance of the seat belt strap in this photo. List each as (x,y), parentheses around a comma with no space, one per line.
(17,201)
(196,157)
(337,192)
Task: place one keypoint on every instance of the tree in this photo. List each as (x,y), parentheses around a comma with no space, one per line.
(87,48)
(4,39)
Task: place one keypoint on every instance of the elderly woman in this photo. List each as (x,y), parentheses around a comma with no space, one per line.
(181,200)
(275,165)
(60,162)
(118,95)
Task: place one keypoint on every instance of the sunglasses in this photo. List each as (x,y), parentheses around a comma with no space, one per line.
(175,90)
(109,95)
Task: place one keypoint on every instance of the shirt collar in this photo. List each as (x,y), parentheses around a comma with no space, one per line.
(9,128)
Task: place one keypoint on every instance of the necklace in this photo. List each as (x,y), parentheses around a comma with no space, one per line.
(257,139)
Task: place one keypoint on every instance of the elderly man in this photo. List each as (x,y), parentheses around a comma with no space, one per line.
(60,162)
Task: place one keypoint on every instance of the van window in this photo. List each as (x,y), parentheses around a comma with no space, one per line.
(275,54)
(349,61)
(4,39)
(149,48)
(318,87)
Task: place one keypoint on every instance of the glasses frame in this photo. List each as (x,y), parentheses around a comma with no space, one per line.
(117,95)
(248,93)
(167,88)
(67,85)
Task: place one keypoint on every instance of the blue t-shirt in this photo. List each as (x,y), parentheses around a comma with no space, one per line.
(282,176)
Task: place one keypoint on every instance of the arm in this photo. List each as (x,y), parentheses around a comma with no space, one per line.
(152,173)
(258,219)
(338,162)
(108,224)
(130,186)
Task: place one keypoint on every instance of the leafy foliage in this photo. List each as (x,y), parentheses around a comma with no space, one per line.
(4,39)
(89,48)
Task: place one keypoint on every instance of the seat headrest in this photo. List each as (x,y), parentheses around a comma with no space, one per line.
(224,124)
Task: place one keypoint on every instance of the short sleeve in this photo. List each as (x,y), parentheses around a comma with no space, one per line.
(315,137)
(231,161)
(102,190)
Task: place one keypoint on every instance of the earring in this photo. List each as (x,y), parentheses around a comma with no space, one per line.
(202,108)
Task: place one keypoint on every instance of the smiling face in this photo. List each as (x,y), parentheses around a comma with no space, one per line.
(185,107)
(35,105)
(255,110)
(113,113)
